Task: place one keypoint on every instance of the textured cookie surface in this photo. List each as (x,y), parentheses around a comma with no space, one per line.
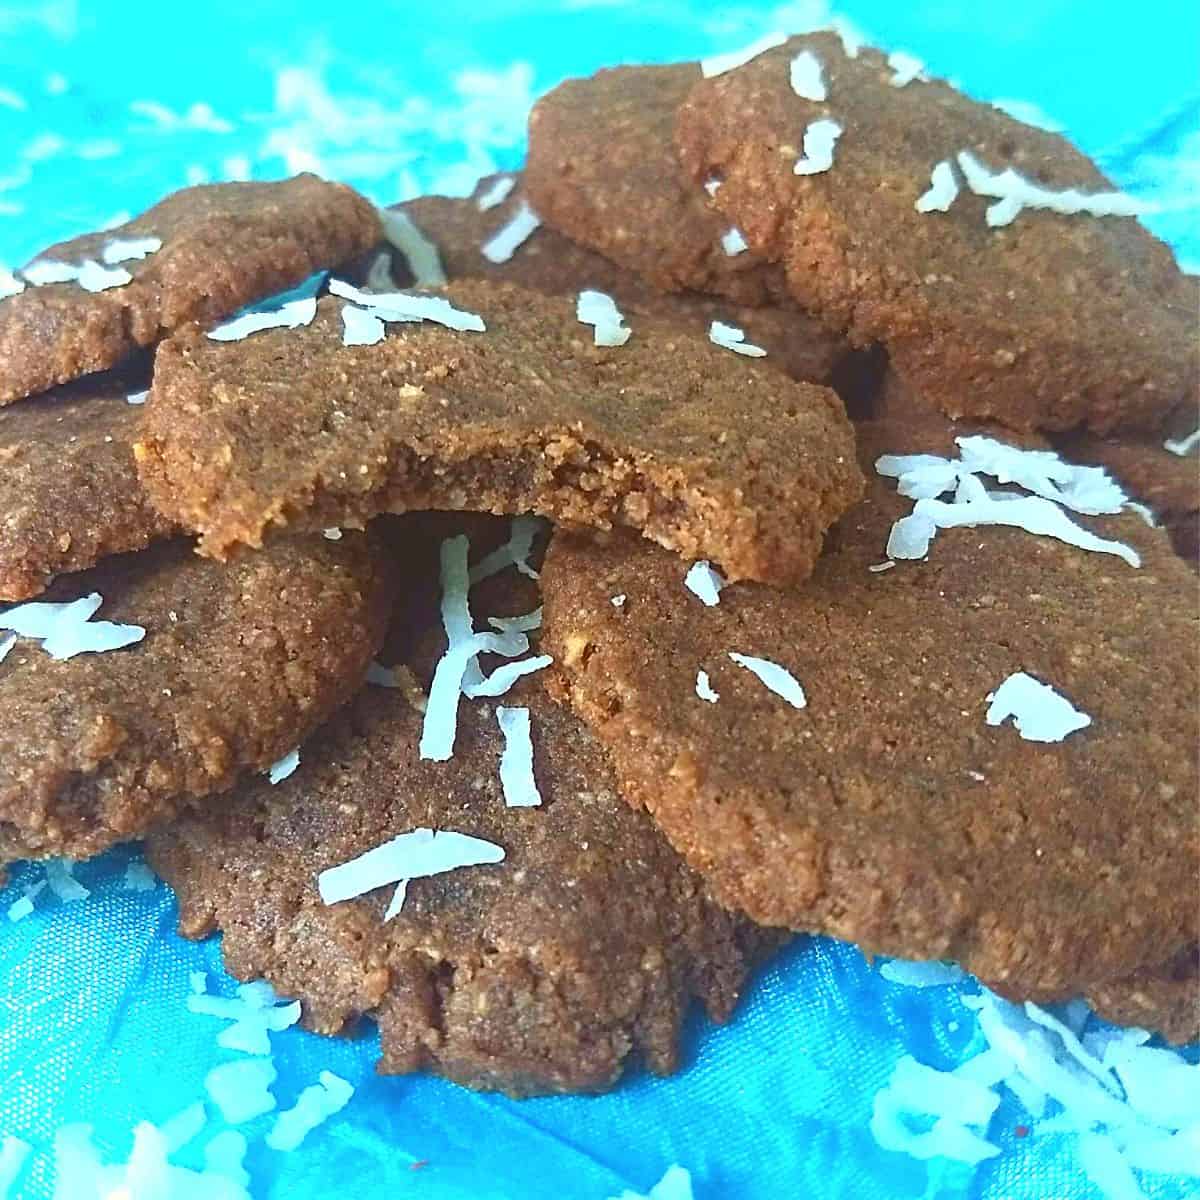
(224,245)
(602,169)
(550,262)
(686,442)
(1048,322)
(541,973)
(887,811)
(1165,999)
(69,491)
(238,665)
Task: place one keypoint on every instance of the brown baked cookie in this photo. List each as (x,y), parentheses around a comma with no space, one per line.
(69,491)
(602,169)
(887,812)
(224,245)
(1047,322)
(551,263)
(687,442)
(1166,483)
(238,665)
(542,973)
(1165,999)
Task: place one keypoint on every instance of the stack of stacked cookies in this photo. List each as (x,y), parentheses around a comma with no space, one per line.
(523,625)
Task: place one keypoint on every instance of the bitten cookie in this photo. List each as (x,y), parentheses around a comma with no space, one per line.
(199,255)
(685,441)
(888,811)
(69,491)
(237,666)
(897,213)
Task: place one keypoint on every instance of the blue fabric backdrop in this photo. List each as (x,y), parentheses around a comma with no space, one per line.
(96,120)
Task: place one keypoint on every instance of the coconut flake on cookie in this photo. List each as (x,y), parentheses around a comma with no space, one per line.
(807,77)
(1039,713)
(820,138)
(773,677)
(599,310)
(1014,193)
(730,337)
(943,190)
(516,760)
(509,238)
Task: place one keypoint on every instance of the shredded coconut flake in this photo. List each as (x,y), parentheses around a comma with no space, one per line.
(277,772)
(419,252)
(774,677)
(1089,490)
(820,138)
(943,190)
(496,195)
(1039,713)
(360,328)
(906,68)
(242,1089)
(733,241)
(10,285)
(1183,446)
(600,311)
(93,277)
(62,882)
(712,185)
(138,397)
(718,64)
(1031,513)
(139,878)
(49,270)
(501,680)
(315,1105)
(509,238)
(879,568)
(730,337)
(921,974)
(414,855)
(121,250)
(808,79)
(514,553)
(516,761)
(676,1184)
(290,315)
(618,601)
(254,1013)
(22,908)
(704,582)
(704,688)
(1013,193)
(7,642)
(406,306)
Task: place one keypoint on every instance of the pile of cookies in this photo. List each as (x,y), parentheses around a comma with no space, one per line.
(510,618)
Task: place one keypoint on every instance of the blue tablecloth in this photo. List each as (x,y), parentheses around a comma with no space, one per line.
(98,118)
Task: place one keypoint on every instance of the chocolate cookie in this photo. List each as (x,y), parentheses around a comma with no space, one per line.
(542,973)
(888,812)
(1165,999)
(1045,320)
(69,491)
(551,263)
(237,666)
(602,169)
(221,246)
(684,441)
